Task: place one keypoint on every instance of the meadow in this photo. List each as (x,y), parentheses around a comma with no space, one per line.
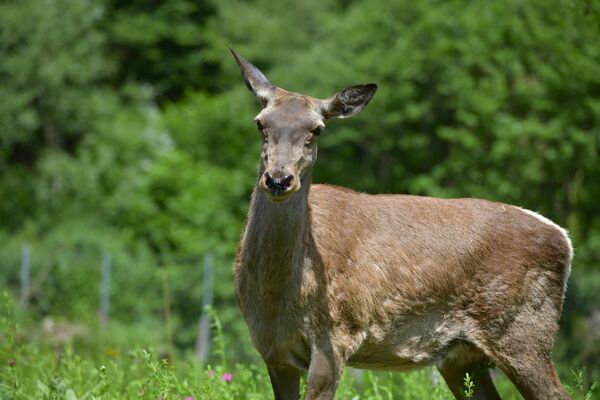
(128,154)
(46,368)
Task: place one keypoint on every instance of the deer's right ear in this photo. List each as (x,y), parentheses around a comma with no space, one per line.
(348,102)
(255,80)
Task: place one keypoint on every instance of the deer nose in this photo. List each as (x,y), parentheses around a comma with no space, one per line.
(278,185)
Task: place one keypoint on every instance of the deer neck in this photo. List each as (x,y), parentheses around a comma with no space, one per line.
(274,237)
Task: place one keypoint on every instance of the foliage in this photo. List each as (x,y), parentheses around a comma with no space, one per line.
(34,368)
(469,389)
(161,43)
(125,128)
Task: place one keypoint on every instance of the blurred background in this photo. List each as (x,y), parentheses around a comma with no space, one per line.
(128,148)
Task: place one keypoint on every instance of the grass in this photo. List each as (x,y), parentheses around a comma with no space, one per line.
(34,368)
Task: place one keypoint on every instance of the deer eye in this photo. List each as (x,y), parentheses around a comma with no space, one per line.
(312,134)
(262,130)
(308,139)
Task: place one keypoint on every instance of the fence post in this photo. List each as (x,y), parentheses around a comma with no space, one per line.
(25,274)
(105,287)
(203,341)
(167,311)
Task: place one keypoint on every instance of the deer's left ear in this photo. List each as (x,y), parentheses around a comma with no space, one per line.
(255,80)
(348,102)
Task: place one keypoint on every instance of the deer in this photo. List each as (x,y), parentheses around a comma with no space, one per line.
(327,277)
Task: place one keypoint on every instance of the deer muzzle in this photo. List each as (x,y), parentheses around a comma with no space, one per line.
(278,186)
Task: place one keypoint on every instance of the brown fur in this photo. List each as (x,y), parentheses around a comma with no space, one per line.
(327,277)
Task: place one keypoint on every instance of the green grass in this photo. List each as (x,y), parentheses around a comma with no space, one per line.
(35,367)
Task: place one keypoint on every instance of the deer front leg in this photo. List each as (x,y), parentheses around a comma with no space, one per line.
(285,382)
(324,374)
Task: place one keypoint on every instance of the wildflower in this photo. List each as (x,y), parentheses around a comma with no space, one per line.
(111,352)
(12,362)
(227,377)
(189,398)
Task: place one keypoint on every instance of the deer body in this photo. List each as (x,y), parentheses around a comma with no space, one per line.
(327,277)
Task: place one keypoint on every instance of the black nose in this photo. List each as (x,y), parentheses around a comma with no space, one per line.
(278,185)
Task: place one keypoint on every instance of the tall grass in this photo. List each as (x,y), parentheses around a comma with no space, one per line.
(34,367)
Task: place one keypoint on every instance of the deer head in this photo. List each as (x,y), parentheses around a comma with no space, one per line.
(290,124)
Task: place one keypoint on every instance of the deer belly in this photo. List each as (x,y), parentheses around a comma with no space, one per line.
(396,358)
(409,346)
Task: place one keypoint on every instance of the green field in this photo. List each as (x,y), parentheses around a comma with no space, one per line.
(128,154)
(44,365)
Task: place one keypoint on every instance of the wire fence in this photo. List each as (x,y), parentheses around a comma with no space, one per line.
(105,263)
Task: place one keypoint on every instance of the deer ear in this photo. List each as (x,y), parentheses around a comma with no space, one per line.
(348,102)
(255,80)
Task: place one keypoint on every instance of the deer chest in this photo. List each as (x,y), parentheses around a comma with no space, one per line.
(278,317)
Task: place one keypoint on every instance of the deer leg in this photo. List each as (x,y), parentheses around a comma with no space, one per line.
(285,382)
(454,375)
(534,376)
(523,351)
(324,375)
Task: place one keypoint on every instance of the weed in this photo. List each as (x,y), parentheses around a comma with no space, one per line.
(32,367)
(580,391)
(469,389)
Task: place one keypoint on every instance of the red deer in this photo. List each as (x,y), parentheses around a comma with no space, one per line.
(327,277)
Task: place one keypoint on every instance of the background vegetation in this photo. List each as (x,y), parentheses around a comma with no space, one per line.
(125,128)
